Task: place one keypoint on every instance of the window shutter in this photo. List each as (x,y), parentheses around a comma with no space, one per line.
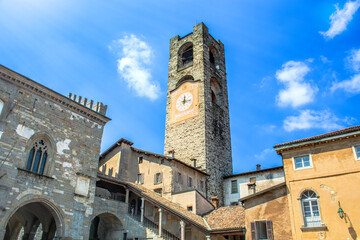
(142,178)
(154,178)
(161,174)
(253,231)
(269,229)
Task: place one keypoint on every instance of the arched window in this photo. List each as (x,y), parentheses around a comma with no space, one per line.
(186,78)
(186,55)
(215,91)
(212,55)
(310,207)
(38,156)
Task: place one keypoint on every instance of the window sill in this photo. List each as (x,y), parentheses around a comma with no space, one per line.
(185,66)
(323,227)
(36,174)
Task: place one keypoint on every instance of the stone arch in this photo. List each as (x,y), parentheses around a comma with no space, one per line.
(36,211)
(51,149)
(216,91)
(186,78)
(106,226)
(307,189)
(185,55)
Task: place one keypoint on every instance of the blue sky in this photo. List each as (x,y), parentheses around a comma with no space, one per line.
(293,67)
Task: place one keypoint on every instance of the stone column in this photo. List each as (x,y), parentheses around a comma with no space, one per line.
(142,209)
(208,237)
(160,222)
(127,195)
(182,225)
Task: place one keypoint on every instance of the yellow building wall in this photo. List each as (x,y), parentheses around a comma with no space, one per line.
(335,176)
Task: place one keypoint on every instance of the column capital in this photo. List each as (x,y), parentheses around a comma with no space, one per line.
(182,223)
(208,237)
(160,210)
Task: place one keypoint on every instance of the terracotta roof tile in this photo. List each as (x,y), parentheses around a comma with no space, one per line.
(330,134)
(223,218)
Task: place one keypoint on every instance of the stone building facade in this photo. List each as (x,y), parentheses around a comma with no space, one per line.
(197,110)
(48,160)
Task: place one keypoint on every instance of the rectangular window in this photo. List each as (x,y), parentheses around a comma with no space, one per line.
(140,178)
(157,178)
(158,190)
(189,208)
(179,179)
(234,186)
(357,152)
(141,159)
(262,230)
(251,188)
(189,182)
(302,162)
(201,186)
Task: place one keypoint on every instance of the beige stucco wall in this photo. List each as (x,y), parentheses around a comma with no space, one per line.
(273,206)
(192,198)
(185,173)
(335,176)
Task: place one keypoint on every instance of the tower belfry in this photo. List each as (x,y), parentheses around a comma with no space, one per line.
(197,111)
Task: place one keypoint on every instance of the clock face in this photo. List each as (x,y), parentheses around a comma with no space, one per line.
(184,101)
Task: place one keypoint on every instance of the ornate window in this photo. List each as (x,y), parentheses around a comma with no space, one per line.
(310,207)
(38,157)
(186,55)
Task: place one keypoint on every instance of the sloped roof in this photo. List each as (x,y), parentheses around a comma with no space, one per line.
(220,220)
(262,192)
(254,172)
(321,136)
(226,218)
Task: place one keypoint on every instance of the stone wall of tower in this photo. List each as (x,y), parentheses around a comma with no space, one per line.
(205,137)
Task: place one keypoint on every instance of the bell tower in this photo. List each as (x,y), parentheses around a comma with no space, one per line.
(197,110)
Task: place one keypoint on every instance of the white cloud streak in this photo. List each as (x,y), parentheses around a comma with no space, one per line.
(135,57)
(262,155)
(353,60)
(341,18)
(308,119)
(297,92)
(351,85)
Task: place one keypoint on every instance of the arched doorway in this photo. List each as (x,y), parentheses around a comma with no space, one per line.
(106,226)
(30,220)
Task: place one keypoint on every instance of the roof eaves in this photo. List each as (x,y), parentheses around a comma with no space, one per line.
(262,192)
(252,172)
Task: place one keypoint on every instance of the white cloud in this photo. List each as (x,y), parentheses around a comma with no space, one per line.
(135,57)
(324,59)
(353,60)
(341,18)
(297,92)
(308,119)
(352,85)
(264,153)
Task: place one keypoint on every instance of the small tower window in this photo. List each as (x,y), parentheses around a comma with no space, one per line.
(212,58)
(216,92)
(185,55)
(38,157)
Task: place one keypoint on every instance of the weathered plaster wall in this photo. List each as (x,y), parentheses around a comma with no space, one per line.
(74,143)
(263,180)
(334,177)
(273,206)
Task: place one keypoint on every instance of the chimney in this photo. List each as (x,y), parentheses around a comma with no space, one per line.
(172,153)
(215,201)
(258,167)
(194,161)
